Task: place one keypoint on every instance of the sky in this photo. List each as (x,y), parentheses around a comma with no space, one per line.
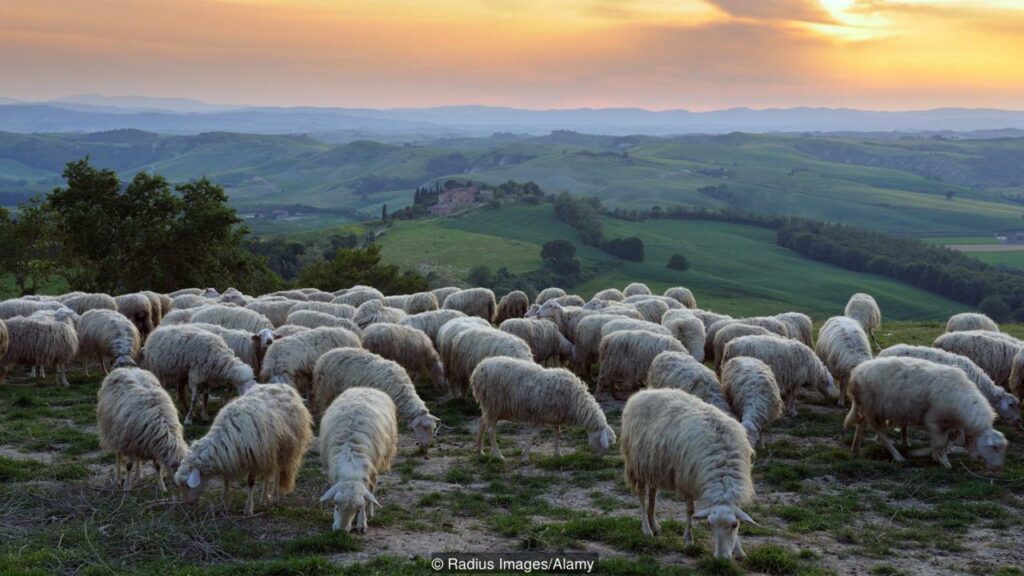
(655,54)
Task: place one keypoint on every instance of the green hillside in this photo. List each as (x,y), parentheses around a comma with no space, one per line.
(734,268)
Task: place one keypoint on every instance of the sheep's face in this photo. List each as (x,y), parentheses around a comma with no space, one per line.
(1008,409)
(753,434)
(549,309)
(990,447)
(191,482)
(532,311)
(724,522)
(423,427)
(595,304)
(602,440)
(351,500)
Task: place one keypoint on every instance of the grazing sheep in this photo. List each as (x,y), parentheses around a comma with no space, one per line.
(548,294)
(1005,405)
(472,302)
(345,368)
(569,300)
(798,326)
(689,330)
(186,292)
(262,434)
(773,325)
(512,305)
(358,441)
(627,354)
(186,301)
(235,297)
(137,421)
(276,310)
(291,359)
(753,395)
(608,307)
(842,345)
(410,347)
(398,301)
(610,295)
(620,324)
(233,317)
(588,342)
(107,336)
(316,295)
(682,295)
(85,302)
(565,317)
(473,346)
(672,303)
(651,310)
(250,348)
(793,363)
(993,352)
(521,391)
(314,319)
(180,316)
(358,297)
(445,343)
(679,370)
(709,318)
(289,330)
(4,342)
(731,332)
(863,308)
(971,321)
(184,354)
(543,337)
(336,310)
(25,307)
(421,302)
(291,295)
(138,309)
(904,392)
(155,306)
(430,322)
(636,289)
(442,293)
(674,441)
(45,338)
(375,312)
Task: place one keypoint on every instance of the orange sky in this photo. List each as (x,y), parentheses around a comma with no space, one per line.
(696,54)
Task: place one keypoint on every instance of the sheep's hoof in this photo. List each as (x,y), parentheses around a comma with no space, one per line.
(647,530)
(656,528)
(688,537)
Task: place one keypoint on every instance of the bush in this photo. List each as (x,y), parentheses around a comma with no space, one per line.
(631,248)
(994,308)
(678,262)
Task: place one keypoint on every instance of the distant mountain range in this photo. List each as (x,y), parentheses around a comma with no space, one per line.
(91,113)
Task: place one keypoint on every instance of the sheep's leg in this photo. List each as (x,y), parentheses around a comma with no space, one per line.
(160,486)
(117,469)
(495,451)
(905,436)
(85,364)
(337,519)
(227,493)
(202,412)
(42,371)
(558,440)
(652,496)
(737,551)
(688,534)
(858,437)
(481,428)
(63,376)
(103,365)
(883,438)
(32,374)
(361,521)
(939,443)
(193,393)
(645,526)
(249,499)
(128,475)
(791,404)
(878,348)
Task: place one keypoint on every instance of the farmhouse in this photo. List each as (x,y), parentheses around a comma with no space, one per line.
(455,199)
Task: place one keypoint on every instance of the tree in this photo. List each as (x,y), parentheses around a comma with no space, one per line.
(479,275)
(557,249)
(351,266)
(384,212)
(994,307)
(29,252)
(678,262)
(949,194)
(631,248)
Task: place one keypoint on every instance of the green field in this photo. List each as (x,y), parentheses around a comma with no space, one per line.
(734,269)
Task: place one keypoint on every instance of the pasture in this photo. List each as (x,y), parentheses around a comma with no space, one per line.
(820,510)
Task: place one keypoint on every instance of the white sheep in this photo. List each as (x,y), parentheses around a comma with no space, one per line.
(359,296)
(675,441)
(442,293)
(291,359)
(651,310)
(863,308)
(690,332)
(609,295)
(345,368)
(842,345)
(186,292)
(107,336)
(25,307)
(904,392)
(731,332)
(799,326)
(794,365)
(681,371)
(4,343)
(636,289)
(430,322)
(179,316)
(137,421)
(45,338)
(290,330)
(753,394)
(82,303)
(543,337)
(232,317)
(250,348)
(314,319)
(397,301)
(630,324)
(446,335)
(565,317)
(472,346)
(512,305)
(548,294)
(338,310)
(235,297)
(682,295)
(771,324)
(672,303)
(971,321)
(407,346)
(184,355)
(138,309)
(993,352)
(569,300)
(274,309)
(709,318)
(521,391)
(358,441)
(262,434)
(186,301)
(588,342)
(421,302)
(374,311)
(626,356)
(472,302)
(155,306)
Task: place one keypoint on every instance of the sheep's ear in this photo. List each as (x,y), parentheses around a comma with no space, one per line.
(702,514)
(256,339)
(370,498)
(745,517)
(329,495)
(1004,404)
(194,480)
(605,442)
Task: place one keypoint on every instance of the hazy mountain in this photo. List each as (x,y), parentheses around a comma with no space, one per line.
(141,103)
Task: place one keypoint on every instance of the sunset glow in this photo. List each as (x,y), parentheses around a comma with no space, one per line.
(696,54)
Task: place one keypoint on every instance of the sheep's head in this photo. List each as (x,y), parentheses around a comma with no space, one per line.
(595,304)
(124,362)
(601,440)
(1008,408)
(423,427)
(827,385)
(724,521)
(753,434)
(549,309)
(437,374)
(210,293)
(531,312)
(191,482)
(350,502)
(990,447)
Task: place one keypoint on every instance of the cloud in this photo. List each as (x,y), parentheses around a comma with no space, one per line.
(802,10)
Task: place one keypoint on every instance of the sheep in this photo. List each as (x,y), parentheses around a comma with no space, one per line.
(730,332)
(636,289)
(180,316)
(993,352)
(798,326)
(543,337)
(863,308)
(681,371)
(565,317)
(709,318)
(472,346)
(569,300)
(682,295)
(674,441)
(358,297)
(345,368)
(186,301)
(155,306)
(446,339)
(261,434)
(25,307)
(793,364)
(1005,405)
(971,321)
(314,319)
(442,293)
(588,342)
(358,441)
(548,294)
(901,391)
(275,310)
(290,330)
(398,301)
(292,359)
(421,302)
(235,297)
(472,302)
(627,354)
(672,303)
(107,336)
(608,307)
(609,295)
(316,295)
(186,355)
(373,312)
(631,324)
(186,292)
(410,347)
(138,309)
(45,338)
(512,305)
(842,345)
(232,317)
(137,421)
(753,394)
(4,342)
(689,330)
(773,325)
(248,347)
(431,322)
(337,310)
(651,310)
(291,295)
(521,391)
(85,302)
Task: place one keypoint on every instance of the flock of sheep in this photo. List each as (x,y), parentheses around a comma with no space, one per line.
(352,360)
